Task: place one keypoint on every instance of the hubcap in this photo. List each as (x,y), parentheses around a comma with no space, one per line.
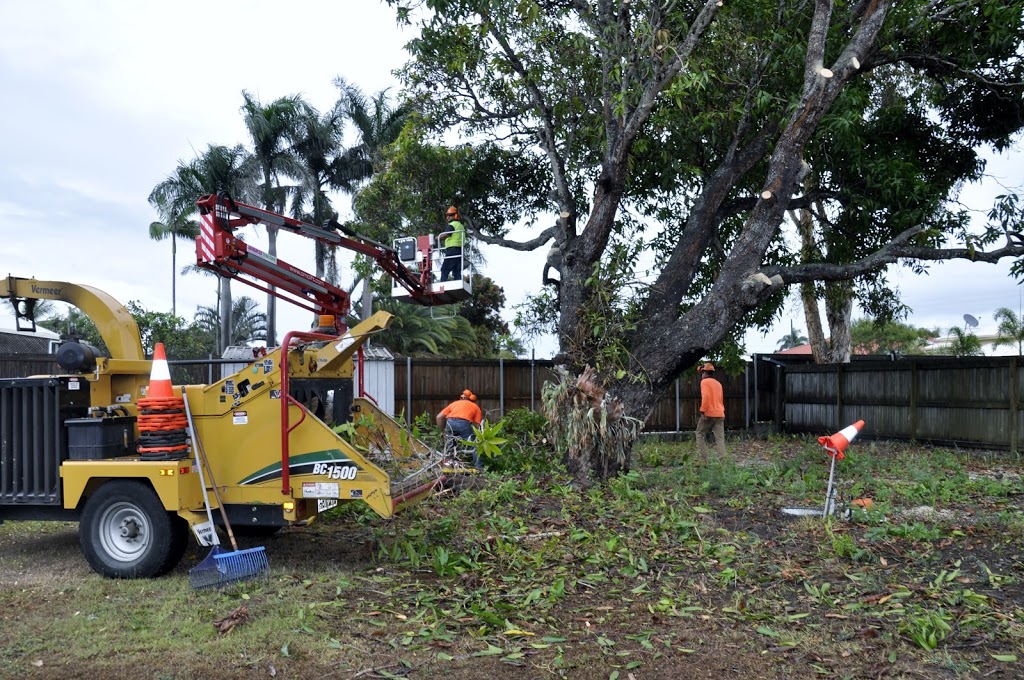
(124,532)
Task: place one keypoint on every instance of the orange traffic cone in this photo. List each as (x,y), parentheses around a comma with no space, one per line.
(160,376)
(837,443)
(163,433)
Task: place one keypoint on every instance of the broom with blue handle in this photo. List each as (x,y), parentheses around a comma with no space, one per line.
(221,568)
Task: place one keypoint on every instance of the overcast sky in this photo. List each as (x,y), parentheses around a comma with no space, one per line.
(102,99)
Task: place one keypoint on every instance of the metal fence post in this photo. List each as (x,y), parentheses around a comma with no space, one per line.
(501,387)
(757,393)
(408,390)
(533,377)
(678,414)
(746,395)
(209,370)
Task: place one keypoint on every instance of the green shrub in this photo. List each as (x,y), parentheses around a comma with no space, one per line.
(527,447)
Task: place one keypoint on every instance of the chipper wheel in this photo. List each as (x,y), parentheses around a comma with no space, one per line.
(125,532)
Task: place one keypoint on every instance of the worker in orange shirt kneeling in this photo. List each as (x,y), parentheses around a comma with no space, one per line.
(457,419)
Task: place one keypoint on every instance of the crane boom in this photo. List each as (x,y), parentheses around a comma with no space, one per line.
(220,250)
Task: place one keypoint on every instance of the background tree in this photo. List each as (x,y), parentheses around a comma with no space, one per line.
(964,343)
(1010,330)
(316,142)
(219,168)
(182,228)
(690,127)
(792,339)
(378,122)
(248,323)
(74,324)
(884,337)
(270,127)
(417,332)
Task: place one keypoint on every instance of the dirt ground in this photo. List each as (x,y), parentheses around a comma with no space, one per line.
(667,576)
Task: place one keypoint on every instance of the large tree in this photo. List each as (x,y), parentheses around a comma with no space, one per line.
(270,127)
(378,122)
(317,144)
(219,168)
(674,137)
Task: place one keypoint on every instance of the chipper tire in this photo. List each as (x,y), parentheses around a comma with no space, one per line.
(125,532)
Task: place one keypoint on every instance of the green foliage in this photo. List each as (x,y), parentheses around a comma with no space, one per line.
(658,126)
(489,442)
(964,344)
(926,628)
(884,337)
(75,324)
(594,436)
(416,331)
(526,447)
(1010,330)
(248,323)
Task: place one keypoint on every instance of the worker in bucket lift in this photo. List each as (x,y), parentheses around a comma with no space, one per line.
(712,410)
(452,243)
(457,420)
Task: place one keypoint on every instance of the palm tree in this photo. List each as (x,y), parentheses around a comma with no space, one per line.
(378,124)
(1010,330)
(219,168)
(792,339)
(414,331)
(248,323)
(183,229)
(964,344)
(270,127)
(316,142)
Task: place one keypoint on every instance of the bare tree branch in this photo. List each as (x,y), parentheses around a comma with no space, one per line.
(551,232)
(897,249)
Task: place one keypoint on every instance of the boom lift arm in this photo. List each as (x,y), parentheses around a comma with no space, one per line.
(219,250)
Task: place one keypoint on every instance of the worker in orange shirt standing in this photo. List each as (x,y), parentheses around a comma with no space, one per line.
(712,410)
(457,419)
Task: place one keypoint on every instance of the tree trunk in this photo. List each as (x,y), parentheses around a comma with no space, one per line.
(225,314)
(271,298)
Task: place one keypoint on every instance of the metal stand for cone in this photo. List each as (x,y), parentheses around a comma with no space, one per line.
(830,494)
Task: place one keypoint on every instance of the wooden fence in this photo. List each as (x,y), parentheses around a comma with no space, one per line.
(427,386)
(970,401)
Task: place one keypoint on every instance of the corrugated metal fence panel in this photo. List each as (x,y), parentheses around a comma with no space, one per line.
(379,383)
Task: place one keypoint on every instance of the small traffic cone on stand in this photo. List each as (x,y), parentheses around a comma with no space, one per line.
(163,427)
(836,445)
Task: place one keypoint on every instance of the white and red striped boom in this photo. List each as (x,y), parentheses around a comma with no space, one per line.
(219,250)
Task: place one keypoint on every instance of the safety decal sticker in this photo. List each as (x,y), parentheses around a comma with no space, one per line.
(268,365)
(275,394)
(240,418)
(320,490)
(229,387)
(355,493)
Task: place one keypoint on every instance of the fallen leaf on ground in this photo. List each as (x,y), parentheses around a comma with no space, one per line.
(228,623)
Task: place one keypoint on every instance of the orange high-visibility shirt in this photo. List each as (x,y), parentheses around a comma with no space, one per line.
(712,400)
(463,408)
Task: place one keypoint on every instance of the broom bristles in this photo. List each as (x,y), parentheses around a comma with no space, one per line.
(222,568)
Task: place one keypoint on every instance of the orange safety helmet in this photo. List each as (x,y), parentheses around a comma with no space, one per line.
(707,368)
(453,213)
(466,394)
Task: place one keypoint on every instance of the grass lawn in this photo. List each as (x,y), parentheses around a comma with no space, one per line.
(684,568)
